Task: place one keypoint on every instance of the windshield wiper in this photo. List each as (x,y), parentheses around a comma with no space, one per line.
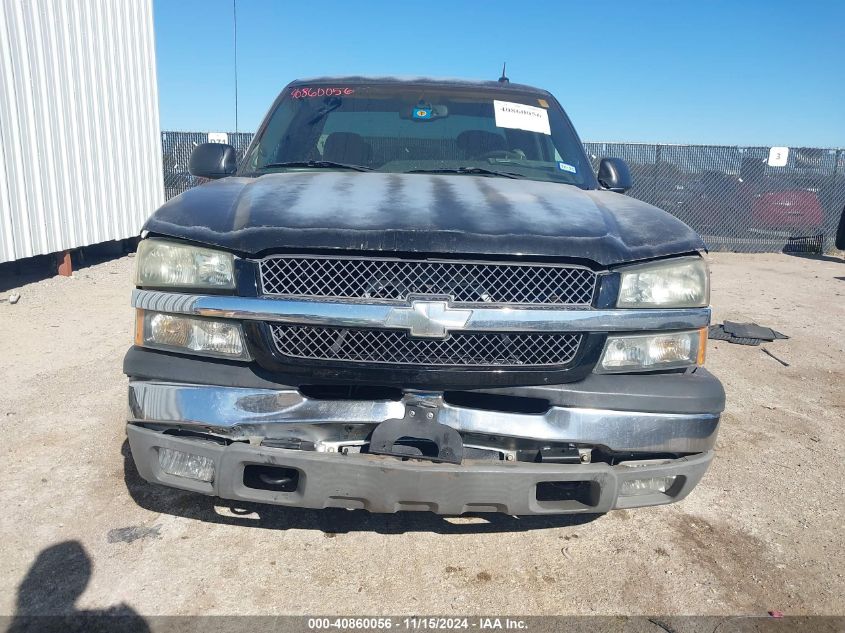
(472,171)
(331,106)
(317,164)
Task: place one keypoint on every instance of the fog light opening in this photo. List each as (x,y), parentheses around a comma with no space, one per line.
(188,465)
(584,493)
(647,485)
(275,478)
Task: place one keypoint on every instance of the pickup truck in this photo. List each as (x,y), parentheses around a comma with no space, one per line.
(418,295)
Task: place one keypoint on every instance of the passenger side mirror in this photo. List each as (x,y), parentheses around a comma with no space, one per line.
(213,160)
(614,175)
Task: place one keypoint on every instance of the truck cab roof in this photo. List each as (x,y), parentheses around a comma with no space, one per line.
(423,81)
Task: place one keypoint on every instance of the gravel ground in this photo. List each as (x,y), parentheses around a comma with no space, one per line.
(762,531)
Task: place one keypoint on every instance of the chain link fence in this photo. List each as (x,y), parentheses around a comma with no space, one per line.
(741,199)
(176,148)
(735,197)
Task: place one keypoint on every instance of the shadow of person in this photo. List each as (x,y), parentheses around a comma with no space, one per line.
(48,593)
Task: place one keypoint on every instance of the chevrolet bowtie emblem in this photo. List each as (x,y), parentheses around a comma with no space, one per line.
(430,319)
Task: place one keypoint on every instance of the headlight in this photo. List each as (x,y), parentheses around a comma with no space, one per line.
(673,283)
(164,264)
(653,351)
(178,333)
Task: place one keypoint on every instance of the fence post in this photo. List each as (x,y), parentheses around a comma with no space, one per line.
(831,227)
(654,173)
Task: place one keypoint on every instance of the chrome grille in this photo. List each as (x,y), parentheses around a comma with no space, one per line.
(397,280)
(460,349)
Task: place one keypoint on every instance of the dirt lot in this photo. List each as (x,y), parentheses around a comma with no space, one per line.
(763,530)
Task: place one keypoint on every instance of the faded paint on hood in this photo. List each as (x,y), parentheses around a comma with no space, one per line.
(419,213)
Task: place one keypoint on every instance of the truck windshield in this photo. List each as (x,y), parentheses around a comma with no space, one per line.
(408,128)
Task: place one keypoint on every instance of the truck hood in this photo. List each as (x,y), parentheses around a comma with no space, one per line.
(420,213)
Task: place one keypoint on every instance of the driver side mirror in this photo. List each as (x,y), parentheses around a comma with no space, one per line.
(614,175)
(213,160)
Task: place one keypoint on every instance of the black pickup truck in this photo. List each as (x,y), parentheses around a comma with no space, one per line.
(418,295)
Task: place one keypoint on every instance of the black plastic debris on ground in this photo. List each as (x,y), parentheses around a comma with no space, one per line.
(743,333)
(813,244)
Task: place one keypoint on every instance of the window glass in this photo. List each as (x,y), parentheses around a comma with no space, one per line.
(411,128)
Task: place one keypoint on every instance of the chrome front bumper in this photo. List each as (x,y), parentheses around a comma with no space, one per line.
(244,414)
(238,428)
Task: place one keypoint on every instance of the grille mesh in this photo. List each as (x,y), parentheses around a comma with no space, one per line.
(392,280)
(461,349)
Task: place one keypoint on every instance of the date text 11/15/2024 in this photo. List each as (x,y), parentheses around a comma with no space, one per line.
(416,623)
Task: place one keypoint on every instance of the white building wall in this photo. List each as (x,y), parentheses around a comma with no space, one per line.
(80,153)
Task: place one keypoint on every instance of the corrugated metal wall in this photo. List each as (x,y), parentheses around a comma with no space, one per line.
(80,153)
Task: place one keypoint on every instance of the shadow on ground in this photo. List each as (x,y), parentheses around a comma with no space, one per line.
(820,258)
(22,272)
(331,521)
(47,596)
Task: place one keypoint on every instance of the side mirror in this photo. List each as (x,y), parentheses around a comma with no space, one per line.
(213,160)
(614,175)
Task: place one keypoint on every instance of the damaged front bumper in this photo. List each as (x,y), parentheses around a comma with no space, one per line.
(313,479)
(587,449)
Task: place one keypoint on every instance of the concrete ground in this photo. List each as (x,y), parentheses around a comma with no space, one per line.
(763,530)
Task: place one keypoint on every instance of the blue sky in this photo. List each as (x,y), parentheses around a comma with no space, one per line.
(724,72)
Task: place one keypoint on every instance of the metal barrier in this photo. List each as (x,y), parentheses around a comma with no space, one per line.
(742,199)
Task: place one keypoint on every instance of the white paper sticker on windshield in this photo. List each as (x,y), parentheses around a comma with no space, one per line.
(517,116)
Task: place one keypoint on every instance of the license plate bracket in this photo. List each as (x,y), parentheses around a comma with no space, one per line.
(418,436)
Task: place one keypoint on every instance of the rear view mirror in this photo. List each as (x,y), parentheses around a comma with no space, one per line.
(614,175)
(213,160)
